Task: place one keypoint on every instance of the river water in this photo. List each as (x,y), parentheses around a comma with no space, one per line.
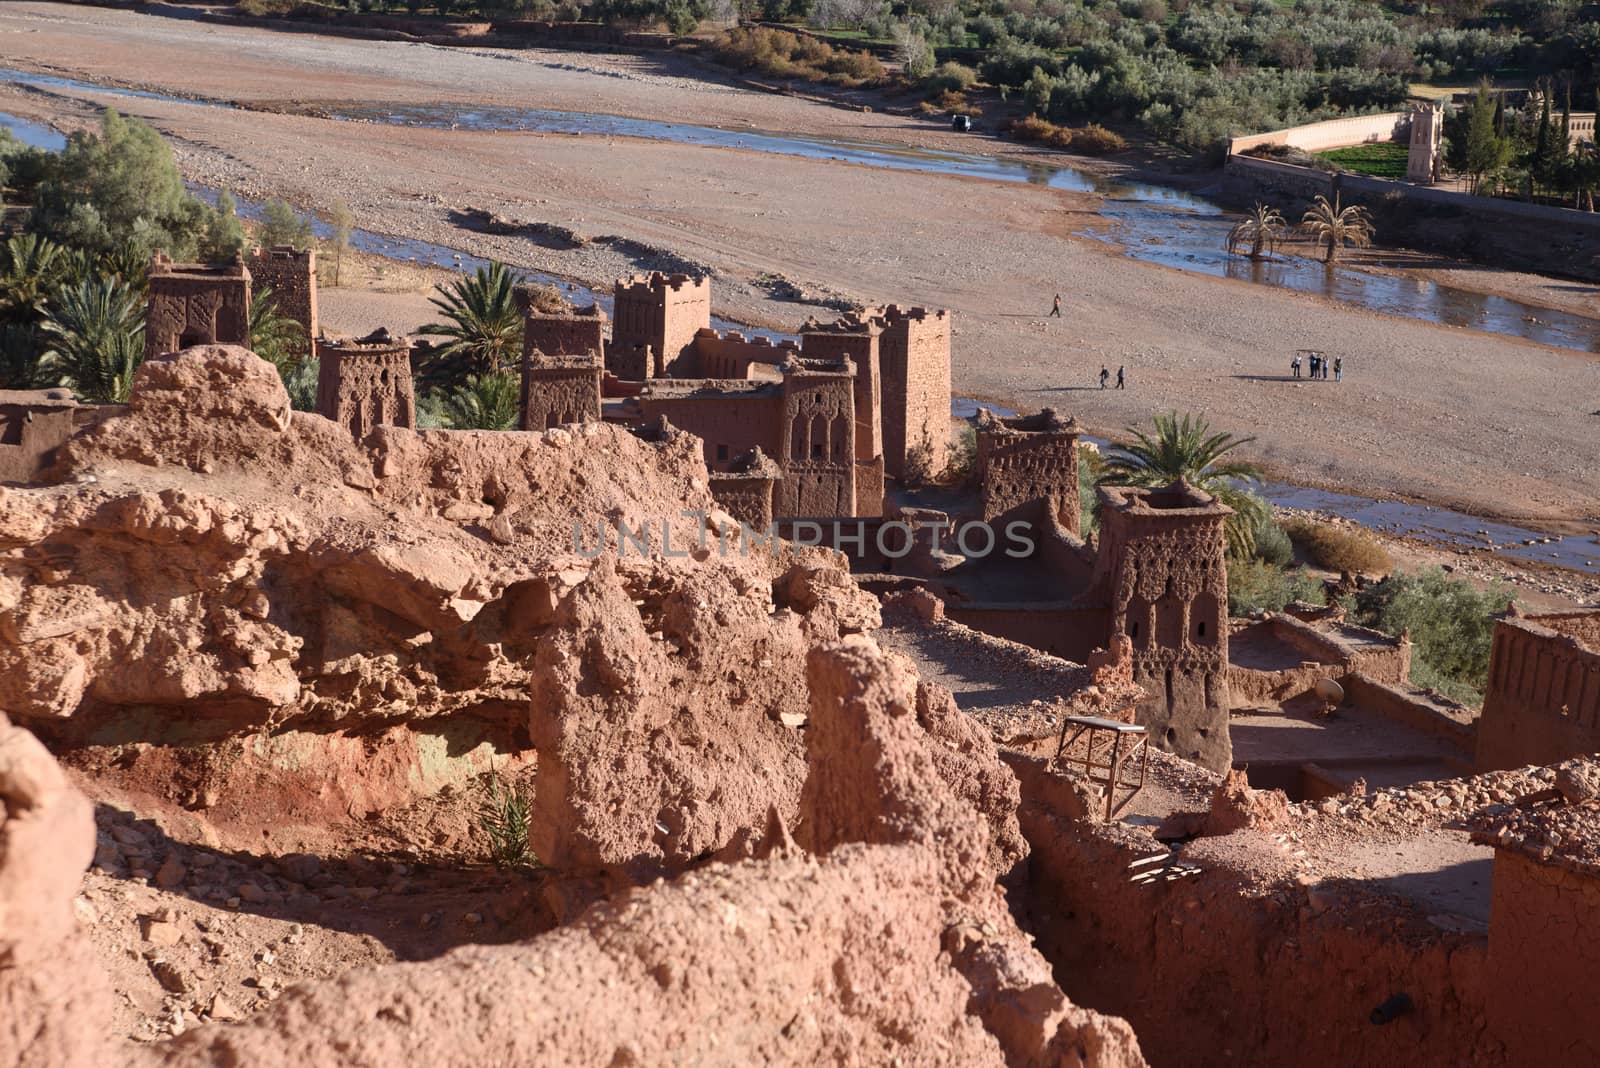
(1151,223)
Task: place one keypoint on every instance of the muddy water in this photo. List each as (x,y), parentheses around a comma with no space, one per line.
(1151,223)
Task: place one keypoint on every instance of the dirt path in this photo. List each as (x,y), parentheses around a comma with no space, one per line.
(1451,416)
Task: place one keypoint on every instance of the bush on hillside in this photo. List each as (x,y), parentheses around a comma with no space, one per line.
(1451,623)
(1256,586)
(1338,549)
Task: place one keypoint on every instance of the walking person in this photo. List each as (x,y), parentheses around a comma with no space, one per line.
(1338,368)
(1294,365)
(1055,309)
(1104,375)
(1120,376)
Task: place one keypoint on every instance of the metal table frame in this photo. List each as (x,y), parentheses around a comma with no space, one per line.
(1118,757)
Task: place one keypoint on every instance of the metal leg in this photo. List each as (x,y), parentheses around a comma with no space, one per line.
(1112,773)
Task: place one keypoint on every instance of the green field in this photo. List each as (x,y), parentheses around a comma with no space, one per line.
(1384,159)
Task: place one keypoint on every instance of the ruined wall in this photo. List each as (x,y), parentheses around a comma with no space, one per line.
(631,361)
(1022,462)
(869,485)
(915,359)
(1162,570)
(1223,968)
(1543,699)
(732,355)
(192,304)
(1414,710)
(292,277)
(559,390)
(363,386)
(1543,942)
(664,312)
(1060,628)
(818,450)
(32,425)
(746,497)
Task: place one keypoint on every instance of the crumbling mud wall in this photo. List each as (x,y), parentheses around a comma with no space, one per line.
(1227,965)
(889,943)
(243,605)
(1543,699)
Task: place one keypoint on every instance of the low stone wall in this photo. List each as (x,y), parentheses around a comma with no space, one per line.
(1213,970)
(1504,233)
(1411,709)
(1335,133)
(1056,627)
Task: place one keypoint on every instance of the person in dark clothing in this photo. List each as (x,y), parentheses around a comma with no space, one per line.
(1338,368)
(1316,364)
(1105,374)
(1120,377)
(1055,309)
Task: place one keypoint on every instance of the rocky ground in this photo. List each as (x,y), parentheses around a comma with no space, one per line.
(1430,412)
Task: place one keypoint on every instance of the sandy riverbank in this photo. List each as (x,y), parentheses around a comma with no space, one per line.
(1483,422)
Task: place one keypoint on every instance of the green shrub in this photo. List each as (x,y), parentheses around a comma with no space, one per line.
(504,814)
(1090,465)
(1338,549)
(950,77)
(1272,545)
(1255,586)
(1451,623)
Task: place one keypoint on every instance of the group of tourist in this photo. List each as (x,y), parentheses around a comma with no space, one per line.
(1320,366)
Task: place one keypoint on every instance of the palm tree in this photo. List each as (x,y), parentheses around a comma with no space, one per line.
(483,324)
(276,338)
(95,331)
(483,402)
(1187,449)
(1261,230)
(30,266)
(1335,225)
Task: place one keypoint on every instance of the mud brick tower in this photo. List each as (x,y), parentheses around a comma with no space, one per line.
(661,313)
(195,304)
(292,276)
(568,332)
(1029,461)
(364,384)
(914,351)
(819,470)
(1167,585)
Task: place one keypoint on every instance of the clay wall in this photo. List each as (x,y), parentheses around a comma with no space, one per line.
(914,357)
(729,417)
(32,424)
(1211,970)
(292,277)
(1019,467)
(746,497)
(858,340)
(632,361)
(559,390)
(1162,571)
(818,448)
(1060,628)
(364,386)
(732,355)
(1542,704)
(193,304)
(869,485)
(1413,710)
(1543,942)
(664,312)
